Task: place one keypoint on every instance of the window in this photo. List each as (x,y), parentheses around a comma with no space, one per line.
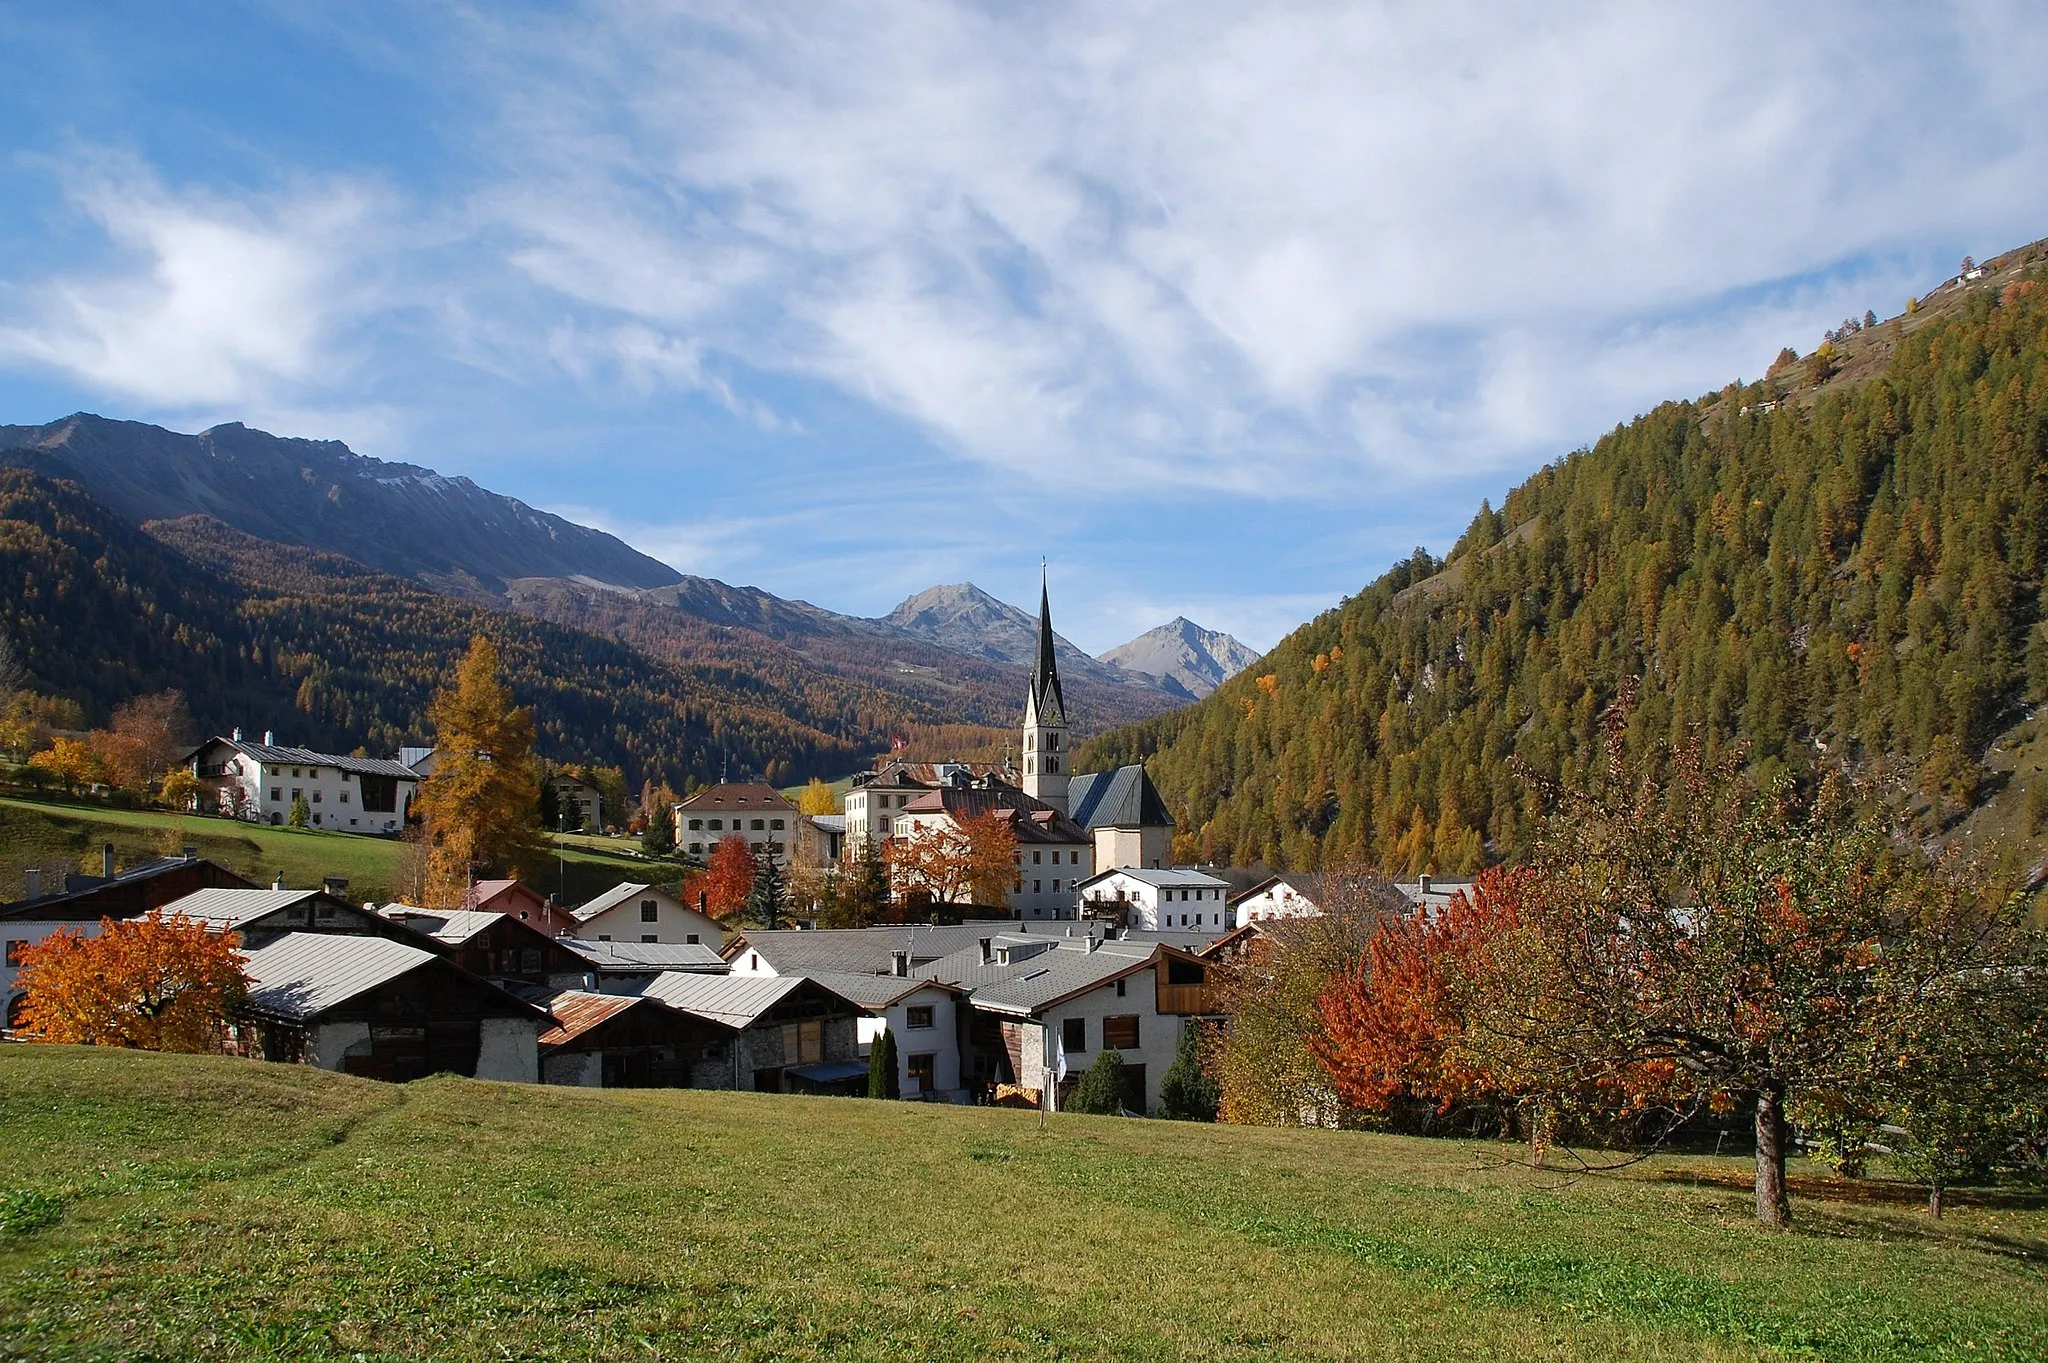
(1074,1035)
(696,824)
(650,912)
(716,824)
(15,946)
(921,1069)
(316,797)
(1038,887)
(1120,987)
(775,824)
(690,938)
(343,797)
(276,795)
(1037,857)
(696,847)
(650,937)
(604,937)
(531,957)
(757,825)
(1121,1032)
(297,791)
(918,1019)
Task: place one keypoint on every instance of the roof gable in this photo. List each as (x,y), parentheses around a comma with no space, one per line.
(1124,798)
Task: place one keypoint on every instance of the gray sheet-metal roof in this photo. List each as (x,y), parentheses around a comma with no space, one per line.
(647,955)
(1124,798)
(1161,877)
(303,974)
(612,898)
(274,755)
(862,951)
(876,992)
(226,910)
(1053,976)
(729,1000)
(463,924)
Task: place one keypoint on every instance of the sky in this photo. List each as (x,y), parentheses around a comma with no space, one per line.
(1219,309)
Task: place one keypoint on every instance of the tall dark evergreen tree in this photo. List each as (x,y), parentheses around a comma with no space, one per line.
(883,1080)
(768,900)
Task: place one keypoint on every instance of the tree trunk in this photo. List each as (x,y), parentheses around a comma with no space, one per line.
(1773,1204)
(1934,1200)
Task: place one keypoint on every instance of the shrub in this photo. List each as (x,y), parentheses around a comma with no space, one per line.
(1186,1092)
(1101,1090)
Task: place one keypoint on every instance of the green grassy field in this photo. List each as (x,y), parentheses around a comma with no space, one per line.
(159,1207)
(51,834)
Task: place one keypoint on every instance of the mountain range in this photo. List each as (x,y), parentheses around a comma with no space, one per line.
(1181,651)
(952,654)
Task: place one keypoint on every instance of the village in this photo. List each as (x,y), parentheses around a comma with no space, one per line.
(1099,942)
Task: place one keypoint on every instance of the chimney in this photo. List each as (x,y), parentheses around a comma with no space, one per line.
(335,885)
(899,964)
(1423,882)
(238,733)
(985,952)
(107,861)
(278,884)
(270,738)
(35,883)
(190,851)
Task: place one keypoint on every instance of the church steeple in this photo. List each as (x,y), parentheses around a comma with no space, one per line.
(1045,716)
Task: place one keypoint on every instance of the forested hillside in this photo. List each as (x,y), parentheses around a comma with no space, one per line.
(334,655)
(1845,559)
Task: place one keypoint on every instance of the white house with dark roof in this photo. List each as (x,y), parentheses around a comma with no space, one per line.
(1169,898)
(346,794)
(1286,895)
(1030,1004)
(924,1016)
(1125,814)
(645,913)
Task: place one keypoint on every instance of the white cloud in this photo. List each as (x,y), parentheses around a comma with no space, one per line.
(208,303)
(1259,250)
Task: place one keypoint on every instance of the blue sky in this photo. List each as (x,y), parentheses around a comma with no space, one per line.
(1219,308)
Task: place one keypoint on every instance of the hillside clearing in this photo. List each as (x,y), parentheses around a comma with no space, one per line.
(161,1207)
(49,834)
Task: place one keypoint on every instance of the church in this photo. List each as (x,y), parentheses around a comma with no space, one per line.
(1069,828)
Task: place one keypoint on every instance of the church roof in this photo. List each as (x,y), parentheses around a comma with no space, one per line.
(1124,798)
(1048,702)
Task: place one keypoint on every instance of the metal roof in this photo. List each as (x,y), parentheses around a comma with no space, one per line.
(1052,977)
(462,924)
(82,886)
(619,894)
(860,951)
(230,909)
(1179,877)
(303,974)
(272,755)
(1124,798)
(576,1012)
(729,1000)
(647,955)
(875,992)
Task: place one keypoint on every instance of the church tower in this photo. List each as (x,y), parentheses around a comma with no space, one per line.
(1045,718)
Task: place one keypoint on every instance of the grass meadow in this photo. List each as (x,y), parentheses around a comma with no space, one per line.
(50,834)
(161,1207)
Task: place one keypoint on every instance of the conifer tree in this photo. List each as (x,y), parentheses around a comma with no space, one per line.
(1101,1090)
(479,807)
(883,1080)
(768,898)
(1186,1092)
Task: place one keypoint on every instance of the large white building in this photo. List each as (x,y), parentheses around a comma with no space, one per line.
(1158,899)
(260,782)
(751,810)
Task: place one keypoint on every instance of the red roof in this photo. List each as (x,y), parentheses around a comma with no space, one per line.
(575,1012)
(1033,821)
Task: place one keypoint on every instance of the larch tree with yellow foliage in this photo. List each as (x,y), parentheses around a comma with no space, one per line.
(481,805)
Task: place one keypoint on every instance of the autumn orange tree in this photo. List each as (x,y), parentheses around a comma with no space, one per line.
(1393,1023)
(147,735)
(70,762)
(727,881)
(481,806)
(972,859)
(152,983)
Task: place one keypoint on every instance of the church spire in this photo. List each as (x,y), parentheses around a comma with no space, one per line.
(1045,716)
(1050,701)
